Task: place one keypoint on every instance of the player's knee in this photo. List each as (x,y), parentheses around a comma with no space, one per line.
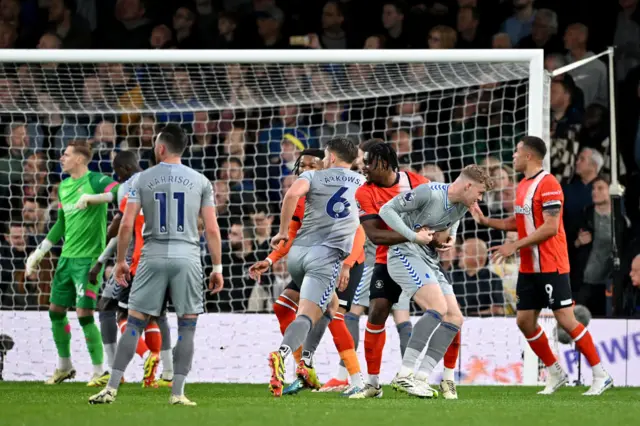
(526,324)
(378,311)
(455,318)
(82,312)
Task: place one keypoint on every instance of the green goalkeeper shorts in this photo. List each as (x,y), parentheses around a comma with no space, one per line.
(71,285)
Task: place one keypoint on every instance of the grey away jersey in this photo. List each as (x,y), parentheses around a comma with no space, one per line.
(369,252)
(331,212)
(426,206)
(171,196)
(123,190)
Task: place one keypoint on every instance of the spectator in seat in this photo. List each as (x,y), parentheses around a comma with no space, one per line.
(131,29)
(442,37)
(393,21)
(432,172)
(478,290)
(544,33)
(185,28)
(8,35)
(333,125)
(237,255)
(626,38)
(161,37)
(222,191)
(270,32)
(594,246)
(262,222)
(565,126)
(15,291)
(18,147)
(227,37)
(123,90)
(468,26)
(501,41)
(632,296)
(182,98)
(288,121)
(72,28)
(556,60)
(594,134)
(508,273)
(578,195)
(231,170)
(104,145)
(333,35)
(591,77)
(34,220)
(520,24)
(375,42)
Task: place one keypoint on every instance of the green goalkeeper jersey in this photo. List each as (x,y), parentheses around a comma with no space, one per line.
(85,231)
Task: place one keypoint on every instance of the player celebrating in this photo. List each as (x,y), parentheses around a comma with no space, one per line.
(416,215)
(286,306)
(114,298)
(172,197)
(326,235)
(84,239)
(543,280)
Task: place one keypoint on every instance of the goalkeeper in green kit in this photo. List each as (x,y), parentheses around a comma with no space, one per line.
(84,228)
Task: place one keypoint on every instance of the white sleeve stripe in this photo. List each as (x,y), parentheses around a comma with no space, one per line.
(552,203)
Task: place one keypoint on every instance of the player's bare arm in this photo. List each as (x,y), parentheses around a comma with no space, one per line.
(548,229)
(214,242)
(299,188)
(125,233)
(374,228)
(112,233)
(507,224)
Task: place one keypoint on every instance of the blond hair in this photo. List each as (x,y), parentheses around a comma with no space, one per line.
(448,36)
(478,174)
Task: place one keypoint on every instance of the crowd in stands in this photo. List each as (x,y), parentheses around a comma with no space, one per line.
(247,146)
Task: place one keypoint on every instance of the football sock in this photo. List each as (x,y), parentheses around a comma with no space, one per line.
(440,341)
(314,337)
(166,353)
(285,311)
(584,344)
(451,356)
(126,349)
(153,338)
(540,346)
(109,333)
(94,342)
(141,348)
(353,325)
(62,338)
(344,344)
(183,354)
(422,331)
(404,332)
(295,334)
(374,339)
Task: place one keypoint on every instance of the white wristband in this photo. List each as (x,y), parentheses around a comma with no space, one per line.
(269,261)
(217,269)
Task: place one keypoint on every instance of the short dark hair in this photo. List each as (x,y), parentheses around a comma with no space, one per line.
(174,138)
(366,145)
(125,159)
(81,147)
(383,152)
(344,148)
(314,152)
(235,160)
(602,178)
(536,145)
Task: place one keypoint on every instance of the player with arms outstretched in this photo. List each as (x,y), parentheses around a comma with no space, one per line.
(415,267)
(322,243)
(286,306)
(543,280)
(172,197)
(114,299)
(84,233)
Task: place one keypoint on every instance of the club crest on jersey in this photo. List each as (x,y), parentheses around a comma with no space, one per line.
(407,198)
(132,193)
(379,284)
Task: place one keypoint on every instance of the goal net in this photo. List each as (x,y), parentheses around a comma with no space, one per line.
(248,115)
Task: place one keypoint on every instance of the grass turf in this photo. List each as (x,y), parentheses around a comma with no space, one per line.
(251,405)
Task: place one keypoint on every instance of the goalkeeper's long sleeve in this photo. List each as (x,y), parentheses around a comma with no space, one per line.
(57,231)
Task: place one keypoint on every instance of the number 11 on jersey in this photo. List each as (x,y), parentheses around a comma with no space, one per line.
(163,207)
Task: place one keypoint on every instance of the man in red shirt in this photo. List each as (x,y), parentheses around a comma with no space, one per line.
(543,280)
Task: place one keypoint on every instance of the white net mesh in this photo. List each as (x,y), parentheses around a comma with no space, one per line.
(247,123)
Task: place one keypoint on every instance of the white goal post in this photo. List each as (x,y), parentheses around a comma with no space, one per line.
(511,85)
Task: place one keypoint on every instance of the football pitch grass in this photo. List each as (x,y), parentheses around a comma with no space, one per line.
(32,404)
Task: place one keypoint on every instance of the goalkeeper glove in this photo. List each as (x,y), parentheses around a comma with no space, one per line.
(88,199)
(35,258)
